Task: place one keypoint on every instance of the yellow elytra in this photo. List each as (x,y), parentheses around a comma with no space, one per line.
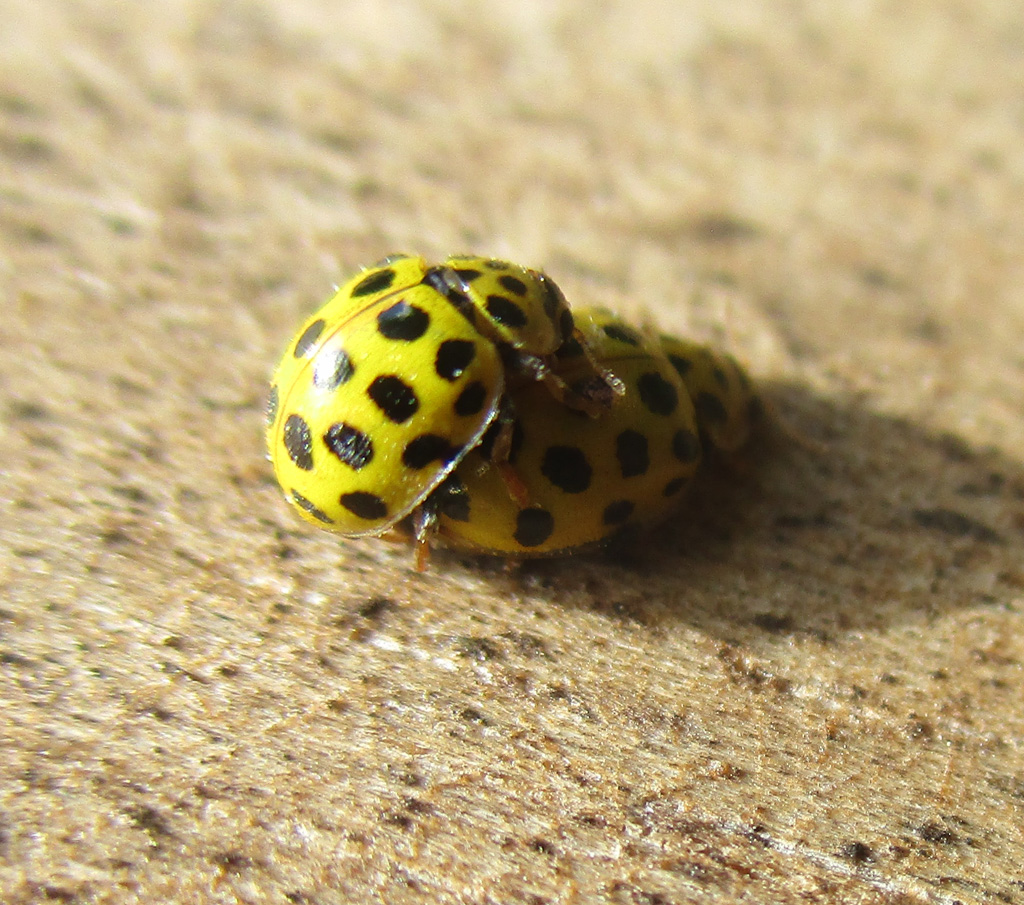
(465,402)
(397,377)
(588,479)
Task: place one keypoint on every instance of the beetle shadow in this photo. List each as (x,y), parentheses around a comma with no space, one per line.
(875,522)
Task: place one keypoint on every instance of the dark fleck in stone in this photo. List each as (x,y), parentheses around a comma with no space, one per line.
(955,524)
(724,228)
(937,833)
(773,622)
(858,853)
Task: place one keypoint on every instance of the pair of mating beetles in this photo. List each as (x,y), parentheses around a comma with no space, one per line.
(466,402)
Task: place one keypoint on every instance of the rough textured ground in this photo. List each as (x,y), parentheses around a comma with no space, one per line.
(808,689)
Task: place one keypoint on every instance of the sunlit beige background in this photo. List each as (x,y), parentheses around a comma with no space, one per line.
(807,688)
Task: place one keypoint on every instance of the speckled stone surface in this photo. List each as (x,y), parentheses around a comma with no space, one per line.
(808,687)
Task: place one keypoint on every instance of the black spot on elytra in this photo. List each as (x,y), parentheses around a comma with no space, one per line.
(682,365)
(505,311)
(471,399)
(374,281)
(554,301)
(721,378)
(332,368)
(710,408)
(566,324)
(367,506)
(657,394)
(272,405)
(464,305)
(437,280)
(308,339)
(403,322)
(567,468)
(631,451)
(621,333)
(468,274)
(349,444)
(427,448)
(685,446)
(453,357)
(674,486)
(394,397)
(533,527)
(512,284)
(617,512)
(307,506)
(299,442)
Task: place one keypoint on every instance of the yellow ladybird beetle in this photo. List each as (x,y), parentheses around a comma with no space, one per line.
(587,479)
(464,401)
(391,383)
